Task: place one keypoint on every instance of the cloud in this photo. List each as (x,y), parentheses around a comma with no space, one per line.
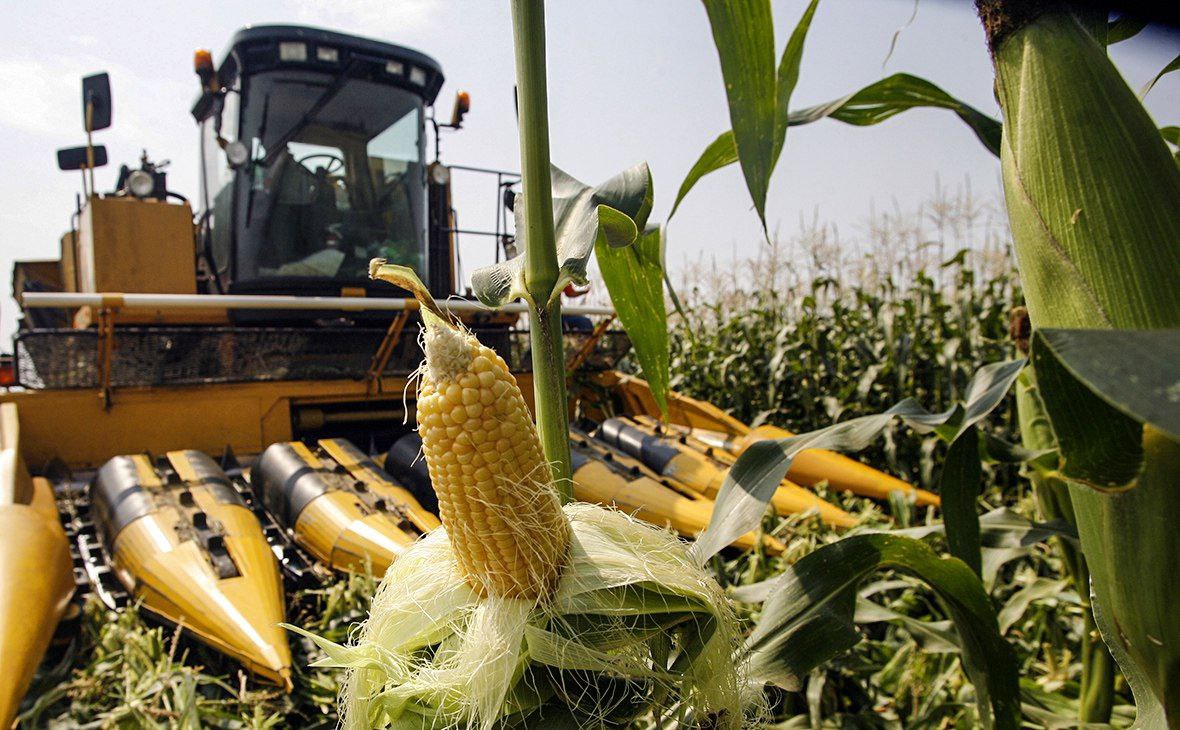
(43,96)
(374,18)
(38,98)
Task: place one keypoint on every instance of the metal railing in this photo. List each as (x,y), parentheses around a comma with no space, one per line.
(51,300)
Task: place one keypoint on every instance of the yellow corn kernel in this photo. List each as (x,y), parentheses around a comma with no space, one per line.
(495,493)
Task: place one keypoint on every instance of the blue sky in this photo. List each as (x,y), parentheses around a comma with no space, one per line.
(630,80)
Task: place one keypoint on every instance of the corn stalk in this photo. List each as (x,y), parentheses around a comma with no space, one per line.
(1096,690)
(1092,195)
(541,269)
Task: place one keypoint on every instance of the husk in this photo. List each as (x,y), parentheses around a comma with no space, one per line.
(634,623)
(1094,200)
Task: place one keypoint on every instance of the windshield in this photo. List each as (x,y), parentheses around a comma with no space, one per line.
(337,177)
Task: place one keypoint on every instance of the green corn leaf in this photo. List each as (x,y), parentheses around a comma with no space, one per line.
(1173,65)
(788,76)
(1096,237)
(1123,28)
(760,469)
(743,32)
(959,483)
(1149,709)
(1099,388)
(871,105)
(1001,528)
(634,276)
(895,94)
(1038,590)
(935,637)
(807,618)
(613,212)
(721,152)
(724,151)
(1004,536)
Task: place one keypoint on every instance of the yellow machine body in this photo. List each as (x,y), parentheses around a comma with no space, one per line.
(713,428)
(816,465)
(125,244)
(186,546)
(172,574)
(338,505)
(36,583)
(603,477)
(36,572)
(810,467)
(675,460)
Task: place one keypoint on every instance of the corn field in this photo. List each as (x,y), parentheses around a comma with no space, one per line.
(1015,360)
(809,331)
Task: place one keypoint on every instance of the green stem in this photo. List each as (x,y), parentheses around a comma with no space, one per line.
(1096,694)
(540,270)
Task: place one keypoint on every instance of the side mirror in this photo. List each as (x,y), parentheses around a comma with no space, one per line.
(75,158)
(462,106)
(96,102)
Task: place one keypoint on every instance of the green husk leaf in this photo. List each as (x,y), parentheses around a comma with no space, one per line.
(1099,388)
(821,585)
(613,212)
(634,276)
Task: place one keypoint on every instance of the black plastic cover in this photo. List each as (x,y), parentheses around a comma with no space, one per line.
(407,465)
(96,93)
(117,498)
(286,482)
(651,450)
(210,475)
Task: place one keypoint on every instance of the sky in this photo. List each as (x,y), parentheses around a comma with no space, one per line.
(629,80)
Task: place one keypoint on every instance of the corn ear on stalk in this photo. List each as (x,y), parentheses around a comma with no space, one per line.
(520,611)
(495,492)
(1091,192)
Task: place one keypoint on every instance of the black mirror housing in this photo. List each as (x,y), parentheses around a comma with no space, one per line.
(75,158)
(96,102)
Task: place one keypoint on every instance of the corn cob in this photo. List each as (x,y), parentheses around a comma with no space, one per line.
(495,492)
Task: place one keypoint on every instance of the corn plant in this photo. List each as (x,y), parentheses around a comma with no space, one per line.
(1097,242)
(1094,255)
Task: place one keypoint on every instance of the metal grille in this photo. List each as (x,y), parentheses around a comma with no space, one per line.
(151,356)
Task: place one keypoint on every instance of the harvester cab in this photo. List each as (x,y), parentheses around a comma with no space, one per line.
(313,157)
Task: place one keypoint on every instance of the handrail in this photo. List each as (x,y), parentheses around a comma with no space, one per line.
(43,300)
